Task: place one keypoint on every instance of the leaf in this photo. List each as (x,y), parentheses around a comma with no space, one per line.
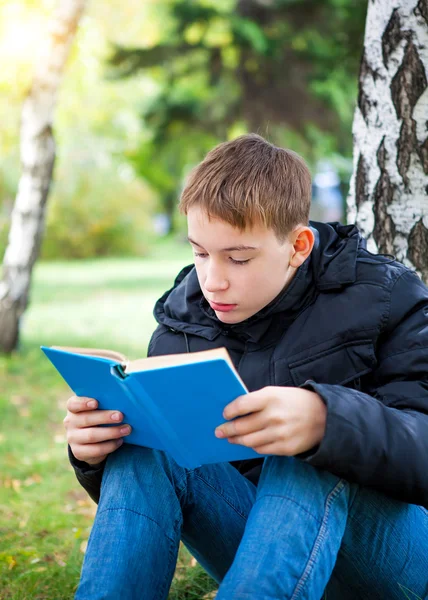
(35,478)
(59,561)
(11,562)
(19,400)
(85,502)
(16,485)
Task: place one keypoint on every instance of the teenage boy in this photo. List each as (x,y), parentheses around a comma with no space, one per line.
(332,343)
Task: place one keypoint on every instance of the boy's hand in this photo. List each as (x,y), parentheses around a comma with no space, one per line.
(279,420)
(88,442)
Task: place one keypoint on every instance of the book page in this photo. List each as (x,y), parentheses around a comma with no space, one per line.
(117,356)
(153,362)
(169,360)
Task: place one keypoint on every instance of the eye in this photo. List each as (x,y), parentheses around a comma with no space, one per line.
(200,254)
(239,262)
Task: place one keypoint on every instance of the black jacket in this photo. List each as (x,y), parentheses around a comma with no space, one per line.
(353,327)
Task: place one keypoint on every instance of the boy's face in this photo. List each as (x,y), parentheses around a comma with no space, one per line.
(239,272)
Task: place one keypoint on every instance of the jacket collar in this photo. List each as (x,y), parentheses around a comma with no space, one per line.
(334,256)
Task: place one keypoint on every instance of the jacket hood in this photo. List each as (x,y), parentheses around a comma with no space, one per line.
(331,265)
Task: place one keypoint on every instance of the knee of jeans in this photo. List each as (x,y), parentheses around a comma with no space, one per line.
(131,469)
(129,456)
(130,459)
(286,471)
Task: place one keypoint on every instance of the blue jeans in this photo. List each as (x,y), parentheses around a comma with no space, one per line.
(301,532)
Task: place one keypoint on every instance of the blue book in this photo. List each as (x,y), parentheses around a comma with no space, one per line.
(173,402)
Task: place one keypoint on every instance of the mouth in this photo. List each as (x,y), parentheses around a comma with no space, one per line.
(220,307)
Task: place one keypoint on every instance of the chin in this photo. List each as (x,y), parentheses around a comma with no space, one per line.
(230,318)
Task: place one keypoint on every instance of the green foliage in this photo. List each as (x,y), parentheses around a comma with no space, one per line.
(286,69)
(4,231)
(172,159)
(93,213)
(183,76)
(97,206)
(279,55)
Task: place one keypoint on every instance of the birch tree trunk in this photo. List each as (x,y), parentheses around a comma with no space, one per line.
(389,188)
(37,161)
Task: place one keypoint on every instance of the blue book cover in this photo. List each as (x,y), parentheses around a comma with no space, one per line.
(173,403)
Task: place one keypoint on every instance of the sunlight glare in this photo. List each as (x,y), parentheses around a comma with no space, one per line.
(22,34)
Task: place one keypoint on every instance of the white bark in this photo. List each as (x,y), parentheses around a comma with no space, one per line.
(389,188)
(37,160)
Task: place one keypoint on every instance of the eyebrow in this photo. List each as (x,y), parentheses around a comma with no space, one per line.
(239,248)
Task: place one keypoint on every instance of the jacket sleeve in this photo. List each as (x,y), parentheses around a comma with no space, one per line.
(90,476)
(380,439)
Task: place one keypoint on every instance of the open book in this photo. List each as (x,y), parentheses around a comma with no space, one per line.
(172,402)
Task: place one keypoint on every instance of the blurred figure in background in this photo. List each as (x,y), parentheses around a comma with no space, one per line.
(327,199)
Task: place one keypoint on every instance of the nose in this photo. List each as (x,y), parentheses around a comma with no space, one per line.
(215,279)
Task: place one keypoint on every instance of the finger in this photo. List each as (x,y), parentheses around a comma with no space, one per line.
(92,418)
(95,435)
(78,404)
(254,440)
(267,449)
(243,405)
(92,451)
(242,425)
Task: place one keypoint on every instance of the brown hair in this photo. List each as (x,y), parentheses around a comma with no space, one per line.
(248,181)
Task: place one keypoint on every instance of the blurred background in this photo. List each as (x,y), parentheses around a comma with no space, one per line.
(149,88)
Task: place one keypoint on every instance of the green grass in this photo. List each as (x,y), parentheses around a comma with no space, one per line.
(45,517)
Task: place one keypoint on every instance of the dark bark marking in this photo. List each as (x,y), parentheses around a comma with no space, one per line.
(391,36)
(408,83)
(422,9)
(9,326)
(407,143)
(384,229)
(417,251)
(423,155)
(364,101)
(361,186)
(407,86)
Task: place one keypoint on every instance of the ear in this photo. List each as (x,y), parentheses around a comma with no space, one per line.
(303,241)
